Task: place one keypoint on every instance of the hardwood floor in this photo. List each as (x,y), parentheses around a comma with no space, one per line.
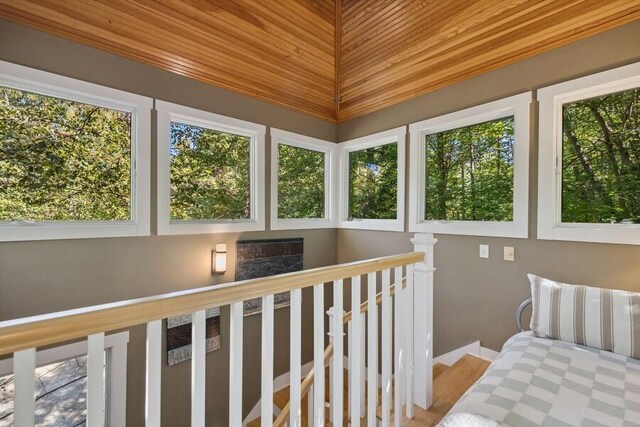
(449,384)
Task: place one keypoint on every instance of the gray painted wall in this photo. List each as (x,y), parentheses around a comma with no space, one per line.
(474,298)
(41,277)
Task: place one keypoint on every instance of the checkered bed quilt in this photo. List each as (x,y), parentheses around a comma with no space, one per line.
(544,382)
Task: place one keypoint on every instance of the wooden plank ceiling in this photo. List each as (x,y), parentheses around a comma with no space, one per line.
(281,51)
(422,46)
(284,51)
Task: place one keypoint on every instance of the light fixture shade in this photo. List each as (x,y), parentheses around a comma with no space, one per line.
(219,259)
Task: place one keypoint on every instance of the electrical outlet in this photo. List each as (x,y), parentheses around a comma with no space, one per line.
(509,253)
(484,251)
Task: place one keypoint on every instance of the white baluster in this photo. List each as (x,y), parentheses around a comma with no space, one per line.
(398,348)
(337,366)
(318,355)
(95,380)
(235,365)
(363,368)
(330,315)
(408,308)
(423,322)
(198,367)
(310,405)
(153,379)
(350,368)
(116,402)
(355,354)
(24,402)
(266,399)
(372,352)
(387,357)
(295,344)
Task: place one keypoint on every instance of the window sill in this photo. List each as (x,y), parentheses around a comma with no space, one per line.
(374,224)
(623,234)
(301,223)
(196,227)
(71,230)
(472,228)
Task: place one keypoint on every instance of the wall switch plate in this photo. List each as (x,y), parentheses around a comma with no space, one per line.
(509,253)
(484,251)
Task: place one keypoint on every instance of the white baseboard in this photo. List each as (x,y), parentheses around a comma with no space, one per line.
(455,355)
(474,349)
(488,354)
(278,384)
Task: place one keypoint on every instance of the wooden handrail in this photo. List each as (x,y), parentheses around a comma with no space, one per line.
(63,326)
(364,307)
(308,380)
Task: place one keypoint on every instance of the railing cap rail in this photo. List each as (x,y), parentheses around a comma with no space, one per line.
(52,328)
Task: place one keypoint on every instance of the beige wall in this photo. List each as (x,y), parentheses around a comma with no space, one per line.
(474,298)
(49,276)
(41,277)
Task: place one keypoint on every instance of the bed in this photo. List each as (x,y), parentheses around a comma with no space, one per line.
(539,381)
(544,382)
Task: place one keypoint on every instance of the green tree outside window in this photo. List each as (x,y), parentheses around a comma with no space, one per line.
(601,159)
(469,172)
(373,183)
(209,174)
(301,189)
(63,160)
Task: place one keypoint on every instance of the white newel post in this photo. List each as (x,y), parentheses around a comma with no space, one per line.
(423,321)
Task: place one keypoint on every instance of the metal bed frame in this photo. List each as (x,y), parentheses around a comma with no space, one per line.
(519,314)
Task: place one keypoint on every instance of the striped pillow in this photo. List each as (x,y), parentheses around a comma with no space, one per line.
(601,318)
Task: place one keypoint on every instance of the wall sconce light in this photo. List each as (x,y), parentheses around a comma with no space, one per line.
(219,259)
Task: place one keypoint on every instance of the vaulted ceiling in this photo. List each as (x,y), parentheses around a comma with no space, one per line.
(288,52)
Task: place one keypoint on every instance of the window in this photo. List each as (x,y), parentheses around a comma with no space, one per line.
(372,176)
(302,181)
(469,170)
(589,158)
(61,384)
(74,158)
(210,172)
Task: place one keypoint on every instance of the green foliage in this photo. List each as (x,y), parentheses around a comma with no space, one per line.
(301,189)
(469,173)
(373,182)
(601,159)
(209,174)
(62,160)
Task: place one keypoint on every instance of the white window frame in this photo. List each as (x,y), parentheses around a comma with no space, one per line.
(168,112)
(397,136)
(48,84)
(517,106)
(115,346)
(551,99)
(330,152)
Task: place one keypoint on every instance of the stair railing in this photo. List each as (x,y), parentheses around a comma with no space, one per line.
(405,352)
(307,383)
(22,337)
